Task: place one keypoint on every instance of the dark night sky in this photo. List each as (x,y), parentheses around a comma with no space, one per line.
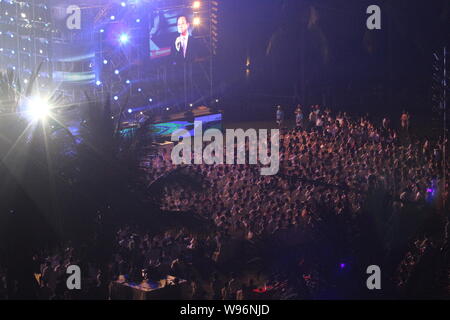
(336,61)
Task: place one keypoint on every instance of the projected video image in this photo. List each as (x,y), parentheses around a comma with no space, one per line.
(171,35)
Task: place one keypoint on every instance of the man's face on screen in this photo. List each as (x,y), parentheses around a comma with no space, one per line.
(183,25)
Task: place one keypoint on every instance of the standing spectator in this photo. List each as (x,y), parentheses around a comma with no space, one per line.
(319,123)
(298,117)
(313,117)
(280,116)
(385,124)
(404,120)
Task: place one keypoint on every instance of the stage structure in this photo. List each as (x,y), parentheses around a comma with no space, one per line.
(75,66)
(126,51)
(143,64)
(26,33)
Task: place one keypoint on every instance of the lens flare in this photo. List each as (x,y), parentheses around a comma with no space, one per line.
(38,108)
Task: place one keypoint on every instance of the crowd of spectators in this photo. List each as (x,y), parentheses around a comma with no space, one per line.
(328,163)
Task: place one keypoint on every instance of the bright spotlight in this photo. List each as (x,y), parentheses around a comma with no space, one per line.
(130,110)
(38,108)
(98,82)
(196,21)
(124,38)
(196,5)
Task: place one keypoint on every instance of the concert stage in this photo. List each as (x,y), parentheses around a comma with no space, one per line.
(162,127)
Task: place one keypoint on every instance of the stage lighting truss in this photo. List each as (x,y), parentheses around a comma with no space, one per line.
(25,39)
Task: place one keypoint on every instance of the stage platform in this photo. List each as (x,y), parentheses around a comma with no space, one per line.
(162,127)
(178,116)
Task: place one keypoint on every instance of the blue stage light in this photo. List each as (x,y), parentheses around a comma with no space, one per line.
(105,61)
(98,82)
(124,38)
(130,110)
(116,98)
(116,71)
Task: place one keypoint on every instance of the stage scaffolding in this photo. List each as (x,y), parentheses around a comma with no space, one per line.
(26,32)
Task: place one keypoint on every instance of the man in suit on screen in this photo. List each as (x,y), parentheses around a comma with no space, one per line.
(185,52)
(186,47)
